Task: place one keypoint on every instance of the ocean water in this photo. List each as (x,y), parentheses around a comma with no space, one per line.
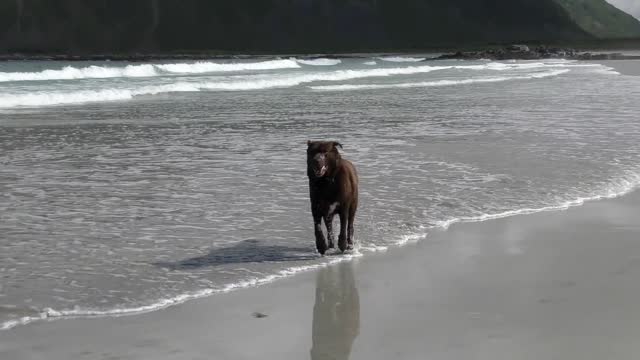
(128,187)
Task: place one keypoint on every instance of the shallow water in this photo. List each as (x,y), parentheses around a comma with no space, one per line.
(126,188)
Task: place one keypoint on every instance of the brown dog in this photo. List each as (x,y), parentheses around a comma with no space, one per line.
(333,187)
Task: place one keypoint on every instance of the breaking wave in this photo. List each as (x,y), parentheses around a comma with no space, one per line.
(349,87)
(153,70)
(263,80)
(205,67)
(146,70)
(247,83)
(320,62)
(89,72)
(401,59)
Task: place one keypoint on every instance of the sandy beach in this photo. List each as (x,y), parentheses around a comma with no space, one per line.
(553,285)
(168,172)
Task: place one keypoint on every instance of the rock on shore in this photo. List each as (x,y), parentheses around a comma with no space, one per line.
(524,52)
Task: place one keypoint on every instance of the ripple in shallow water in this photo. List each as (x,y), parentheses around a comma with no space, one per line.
(116,208)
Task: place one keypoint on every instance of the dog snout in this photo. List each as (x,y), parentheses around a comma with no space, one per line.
(319,165)
(319,161)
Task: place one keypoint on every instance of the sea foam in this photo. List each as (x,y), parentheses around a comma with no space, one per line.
(277,80)
(629,182)
(206,67)
(320,62)
(401,59)
(146,70)
(614,189)
(351,87)
(73,73)
(36,99)
(53,314)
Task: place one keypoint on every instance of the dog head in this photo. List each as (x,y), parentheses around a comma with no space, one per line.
(322,158)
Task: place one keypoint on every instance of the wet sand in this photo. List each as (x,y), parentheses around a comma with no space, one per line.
(555,285)
(624,67)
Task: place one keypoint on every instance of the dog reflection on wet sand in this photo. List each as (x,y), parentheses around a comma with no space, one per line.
(336,313)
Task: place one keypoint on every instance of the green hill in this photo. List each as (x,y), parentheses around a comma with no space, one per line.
(602,19)
(143,26)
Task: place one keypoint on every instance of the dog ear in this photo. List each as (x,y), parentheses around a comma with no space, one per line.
(337,145)
(309,142)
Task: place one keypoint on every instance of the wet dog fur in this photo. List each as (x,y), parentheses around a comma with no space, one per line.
(333,189)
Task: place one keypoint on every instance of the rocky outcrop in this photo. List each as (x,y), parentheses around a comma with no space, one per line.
(523,52)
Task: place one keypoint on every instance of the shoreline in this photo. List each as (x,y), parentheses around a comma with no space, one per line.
(599,50)
(188,56)
(479,55)
(400,288)
(332,259)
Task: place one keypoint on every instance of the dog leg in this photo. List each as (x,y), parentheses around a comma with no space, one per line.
(328,222)
(321,243)
(352,216)
(342,238)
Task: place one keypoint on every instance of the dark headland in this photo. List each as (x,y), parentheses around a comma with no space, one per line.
(194,29)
